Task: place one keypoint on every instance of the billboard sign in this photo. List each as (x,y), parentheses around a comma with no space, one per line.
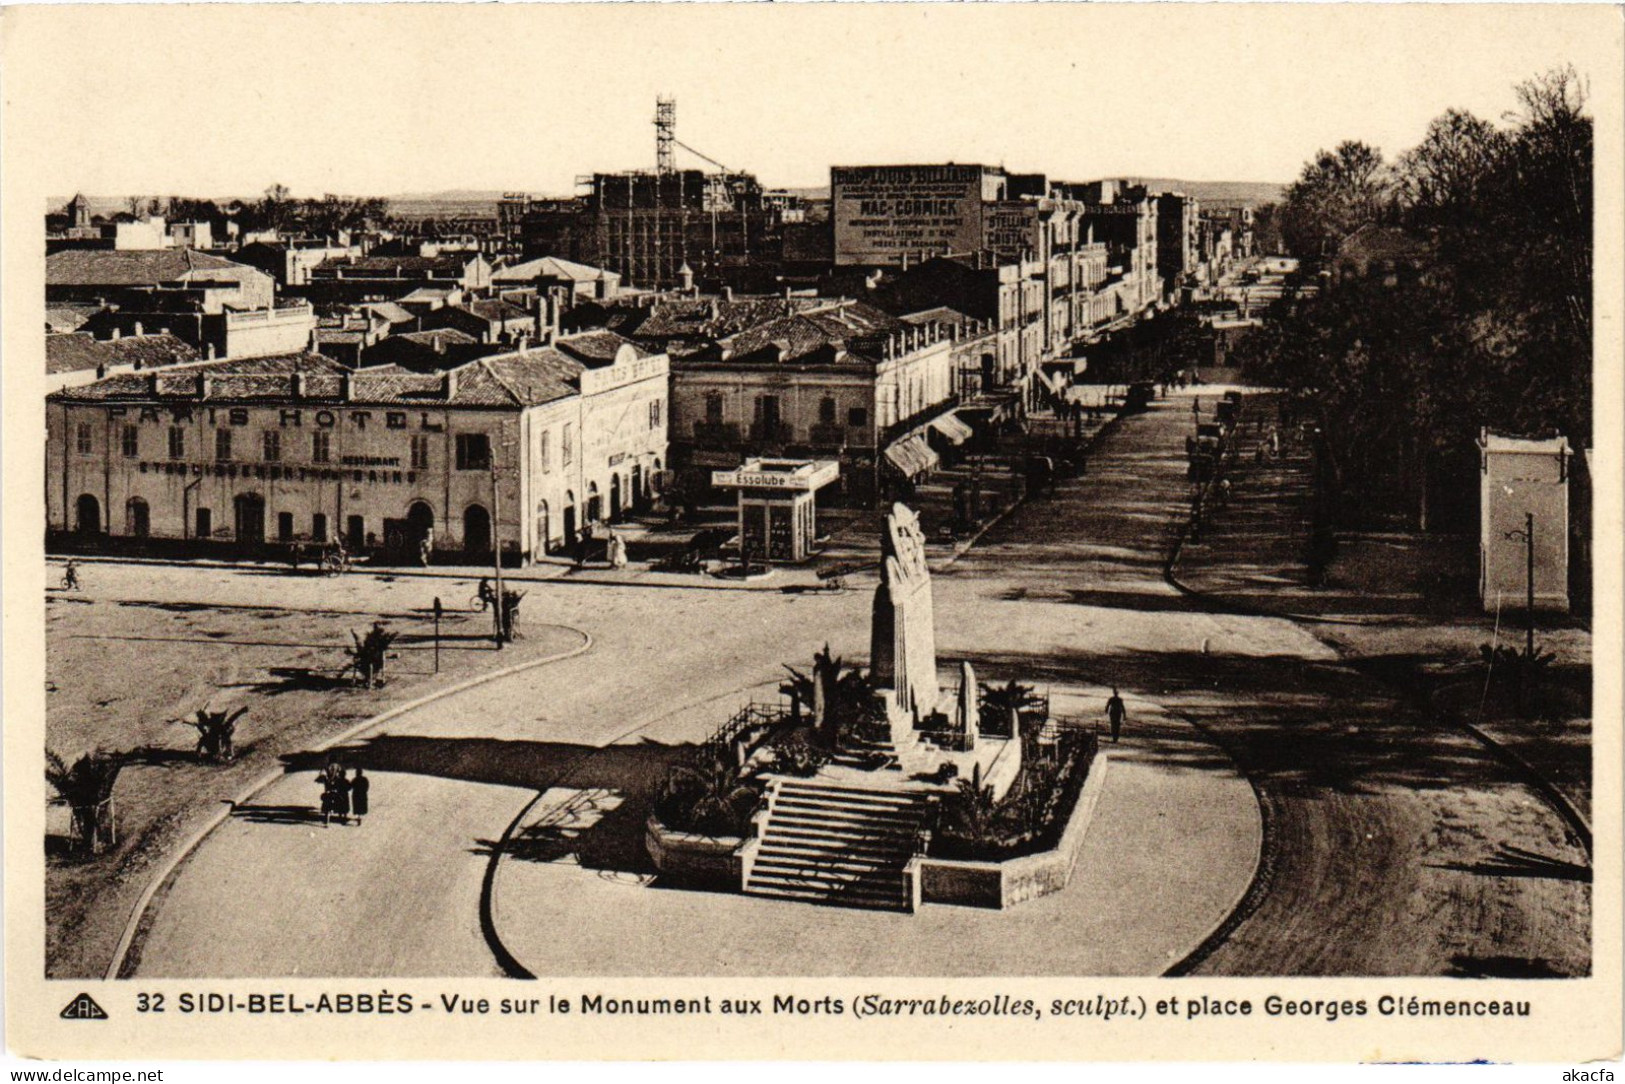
(882,213)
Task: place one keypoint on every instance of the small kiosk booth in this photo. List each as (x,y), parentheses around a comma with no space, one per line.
(778,518)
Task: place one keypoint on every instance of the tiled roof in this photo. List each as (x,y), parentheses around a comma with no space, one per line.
(550,267)
(390,311)
(851,326)
(390,265)
(79,352)
(149,351)
(496,310)
(75,352)
(431,293)
(449,335)
(703,318)
(518,379)
(66,317)
(536,376)
(597,348)
(109,267)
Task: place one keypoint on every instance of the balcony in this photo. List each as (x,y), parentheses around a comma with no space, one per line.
(717,434)
(827,436)
(771,433)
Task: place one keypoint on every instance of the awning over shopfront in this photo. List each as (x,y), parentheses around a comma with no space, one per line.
(911,456)
(949,425)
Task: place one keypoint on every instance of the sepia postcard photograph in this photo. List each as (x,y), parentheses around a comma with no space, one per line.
(957,531)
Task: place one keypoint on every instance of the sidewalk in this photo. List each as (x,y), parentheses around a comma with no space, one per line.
(1400,605)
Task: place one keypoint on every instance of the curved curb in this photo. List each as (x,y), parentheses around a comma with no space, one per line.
(139,912)
(1264,878)
(511,967)
(1553,794)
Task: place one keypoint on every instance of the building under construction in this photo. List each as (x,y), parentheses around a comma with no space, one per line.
(723,227)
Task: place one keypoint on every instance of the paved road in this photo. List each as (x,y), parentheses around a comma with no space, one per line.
(1396,848)
(1399,847)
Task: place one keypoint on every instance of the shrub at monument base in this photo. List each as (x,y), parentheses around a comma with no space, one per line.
(1013,880)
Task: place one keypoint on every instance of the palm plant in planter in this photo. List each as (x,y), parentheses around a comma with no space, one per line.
(87,788)
(1002,705)
(368,655)
(710,799)
(971,812)
(215,730)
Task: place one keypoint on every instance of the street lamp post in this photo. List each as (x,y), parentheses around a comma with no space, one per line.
(1527,537)
(496,553)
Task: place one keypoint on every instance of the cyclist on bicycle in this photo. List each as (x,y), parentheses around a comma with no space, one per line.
(485,594)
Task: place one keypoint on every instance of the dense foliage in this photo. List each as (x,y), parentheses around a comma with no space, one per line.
(1493,329)
(1030,818)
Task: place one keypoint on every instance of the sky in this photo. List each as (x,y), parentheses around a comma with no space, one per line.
(366,100)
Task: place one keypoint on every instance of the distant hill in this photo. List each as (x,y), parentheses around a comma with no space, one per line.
(1217,193)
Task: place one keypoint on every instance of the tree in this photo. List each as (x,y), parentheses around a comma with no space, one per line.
(215,731)
(1438,180)
(1337,193)
(87,788)
(1002,705)
(368,655)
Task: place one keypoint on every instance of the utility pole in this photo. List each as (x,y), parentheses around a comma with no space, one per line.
(496,552)
(505,441)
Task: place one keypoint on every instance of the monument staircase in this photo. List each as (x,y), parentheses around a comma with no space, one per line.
(829,843)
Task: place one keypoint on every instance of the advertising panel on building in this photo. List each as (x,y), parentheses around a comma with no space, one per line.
(884,213)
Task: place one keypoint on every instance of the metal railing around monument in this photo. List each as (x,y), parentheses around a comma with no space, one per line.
(744,731)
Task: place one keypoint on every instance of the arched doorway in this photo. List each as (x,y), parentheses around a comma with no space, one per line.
(476,529)
(595,503)
(87,517)
(569,518)
(614,497)
(639,497)
(543,526)
(137,518)
(419,523)
(249,518)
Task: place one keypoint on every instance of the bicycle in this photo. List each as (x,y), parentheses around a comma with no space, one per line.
(70,577)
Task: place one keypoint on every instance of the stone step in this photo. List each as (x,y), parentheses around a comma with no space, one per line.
(813,845)
(875,896)
(865,798)
(842,866)
(879,816)
(832,887)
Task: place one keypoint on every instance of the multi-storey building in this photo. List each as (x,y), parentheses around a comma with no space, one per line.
(524,448)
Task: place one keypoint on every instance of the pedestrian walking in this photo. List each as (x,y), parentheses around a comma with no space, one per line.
(424,545)
(1115,713)
(70,576)
(360,786)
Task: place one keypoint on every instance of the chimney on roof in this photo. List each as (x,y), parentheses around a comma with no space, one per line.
(101,371)
(347,386)
(448,384)
(439,343)
(208,351)
(298,385)
(137,330)
(152,383)
(116,333)
(728,294)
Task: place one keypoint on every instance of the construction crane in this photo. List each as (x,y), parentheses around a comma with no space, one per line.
(666,139)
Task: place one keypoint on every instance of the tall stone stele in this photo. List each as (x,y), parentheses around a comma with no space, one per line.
(902,637)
